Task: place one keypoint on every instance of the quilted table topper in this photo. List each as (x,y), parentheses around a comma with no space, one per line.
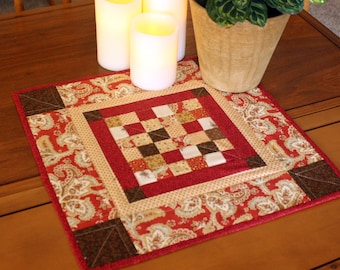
(135,174)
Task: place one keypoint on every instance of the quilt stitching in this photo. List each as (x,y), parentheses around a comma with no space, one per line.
(113,225)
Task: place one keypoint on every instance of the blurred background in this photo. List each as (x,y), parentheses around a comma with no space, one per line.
(328,14)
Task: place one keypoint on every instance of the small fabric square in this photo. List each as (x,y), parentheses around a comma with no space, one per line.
(215,134)
(138,165)
(159,135)
(185,117)
(125,143)
(207,147)
(214,159)
(197,163)
(113,121)
(131,153)
(198,138)
(148,150)
(223,145)
(191,104)
(145,114)
(134,129)
(152,124)
(163,173)
(180,167)
(162,111)
(141,139)
(129,118)
(166,145)
(134,194)
(172,156)
(207,123)
(155,162)
(168,121)
(200,92)
(190,151)
(175,107)
(192,127)
(199,113)
(145,177)
(175,131)
(119,132)
(255,161)
(93,115)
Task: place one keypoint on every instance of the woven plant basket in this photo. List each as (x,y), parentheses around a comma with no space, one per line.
(234,59)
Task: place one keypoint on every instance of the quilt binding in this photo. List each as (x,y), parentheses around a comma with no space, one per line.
(176,247)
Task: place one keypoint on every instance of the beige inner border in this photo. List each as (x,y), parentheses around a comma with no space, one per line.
(112,183)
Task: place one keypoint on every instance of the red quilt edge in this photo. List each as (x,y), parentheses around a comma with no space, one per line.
(182,245)
(45,179)
(214,235)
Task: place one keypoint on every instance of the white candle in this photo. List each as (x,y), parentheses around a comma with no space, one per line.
(113,20)
(153,51)
(176,8)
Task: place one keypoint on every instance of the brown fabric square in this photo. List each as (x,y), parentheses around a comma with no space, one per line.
(105,243)
(200,92)
(134,194)
(159,135)
(255,162)
(41,101)
(148,150)
(207,147)
(317,179)
(215,134)
(92,116)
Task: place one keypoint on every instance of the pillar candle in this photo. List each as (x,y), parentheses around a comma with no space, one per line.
(153,51)
(113,20)
(176,8)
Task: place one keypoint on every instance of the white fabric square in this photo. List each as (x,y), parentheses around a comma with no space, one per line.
(207,123)
(162,111)
(119,132)
(145,177)
(190,152)
(214,159)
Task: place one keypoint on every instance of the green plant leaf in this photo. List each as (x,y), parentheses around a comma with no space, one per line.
(258,13)
(242,4)
(286,6)
(225,13)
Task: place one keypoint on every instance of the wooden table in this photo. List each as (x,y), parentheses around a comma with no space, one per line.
(58,44)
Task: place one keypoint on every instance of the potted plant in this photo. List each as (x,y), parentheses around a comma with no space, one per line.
(235,39)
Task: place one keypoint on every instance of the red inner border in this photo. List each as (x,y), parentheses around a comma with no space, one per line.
(235,158)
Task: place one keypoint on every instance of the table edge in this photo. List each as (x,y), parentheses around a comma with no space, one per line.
(320,27)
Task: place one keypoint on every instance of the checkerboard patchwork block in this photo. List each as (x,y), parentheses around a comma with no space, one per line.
(170,139)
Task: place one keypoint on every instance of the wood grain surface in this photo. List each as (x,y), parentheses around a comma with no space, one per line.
(57,44)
